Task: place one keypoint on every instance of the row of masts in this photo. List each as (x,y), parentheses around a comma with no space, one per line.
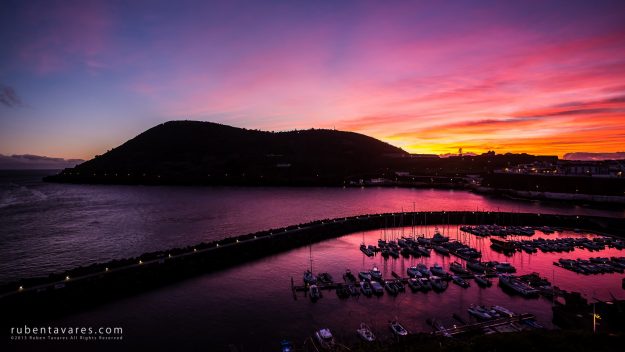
(445,229)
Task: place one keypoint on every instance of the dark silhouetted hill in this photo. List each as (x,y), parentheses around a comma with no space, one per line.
(204,152)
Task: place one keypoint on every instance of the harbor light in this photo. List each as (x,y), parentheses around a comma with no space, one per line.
(217,245)
(106,269)
(195,249)
(237,241)
(169,255)
(21,288)
(66,278)
(140,262)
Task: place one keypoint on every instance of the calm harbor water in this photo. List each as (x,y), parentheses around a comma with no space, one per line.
(47,227)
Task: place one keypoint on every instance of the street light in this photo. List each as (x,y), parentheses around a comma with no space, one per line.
(596,316)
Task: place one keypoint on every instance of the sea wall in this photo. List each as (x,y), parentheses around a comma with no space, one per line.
(556,184)
(568,197)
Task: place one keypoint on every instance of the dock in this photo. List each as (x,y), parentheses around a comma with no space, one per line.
(334,285)
(478,327)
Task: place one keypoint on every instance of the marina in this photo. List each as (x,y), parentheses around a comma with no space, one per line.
(530,285)
(489,269)
(421,278)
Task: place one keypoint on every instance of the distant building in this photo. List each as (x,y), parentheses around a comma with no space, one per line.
(535,168)
(424,156)
(606,168)
(587,168)
(378,181)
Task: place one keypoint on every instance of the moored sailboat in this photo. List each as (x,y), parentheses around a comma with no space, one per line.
(314,293)
(482,280)
(460,281)
(398,329)
(324,338)
(365,333)
(438,284)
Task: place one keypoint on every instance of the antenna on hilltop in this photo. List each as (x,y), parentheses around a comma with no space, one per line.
(460,151)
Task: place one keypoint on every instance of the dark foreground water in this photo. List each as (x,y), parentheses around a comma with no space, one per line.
(46,227)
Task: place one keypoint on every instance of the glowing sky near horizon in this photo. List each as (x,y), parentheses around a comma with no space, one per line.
(542,77)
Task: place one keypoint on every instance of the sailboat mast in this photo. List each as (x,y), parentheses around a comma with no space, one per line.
(413,220)
(311,261)
(401,222)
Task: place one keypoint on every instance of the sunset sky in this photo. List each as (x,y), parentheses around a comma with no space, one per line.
(80,77)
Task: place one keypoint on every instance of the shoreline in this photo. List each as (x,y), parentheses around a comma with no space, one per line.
(553,196)
(515,194)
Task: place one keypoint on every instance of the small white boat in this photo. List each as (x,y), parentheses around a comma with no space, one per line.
(325,338)
(376,274)
(314,292)
(365,333)
(398,329)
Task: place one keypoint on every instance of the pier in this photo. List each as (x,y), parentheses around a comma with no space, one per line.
(477,327)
